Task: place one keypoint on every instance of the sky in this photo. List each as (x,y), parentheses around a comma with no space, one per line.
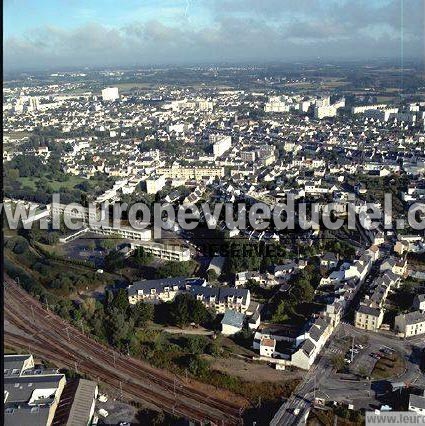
(49,34)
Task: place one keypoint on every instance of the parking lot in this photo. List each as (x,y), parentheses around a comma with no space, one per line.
(118,413)
(366,360)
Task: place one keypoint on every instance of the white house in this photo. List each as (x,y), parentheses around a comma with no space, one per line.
(232,322)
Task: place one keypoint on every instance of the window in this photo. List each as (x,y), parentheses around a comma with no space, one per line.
(6,371)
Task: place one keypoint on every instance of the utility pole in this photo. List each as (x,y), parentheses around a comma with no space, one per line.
(352,350)
(76,367)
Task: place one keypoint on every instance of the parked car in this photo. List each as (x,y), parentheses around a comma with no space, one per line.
(103,412)
(102,397)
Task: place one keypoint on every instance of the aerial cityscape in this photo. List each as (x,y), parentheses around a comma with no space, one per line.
(214,212)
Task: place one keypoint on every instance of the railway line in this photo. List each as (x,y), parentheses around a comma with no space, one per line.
(54,339)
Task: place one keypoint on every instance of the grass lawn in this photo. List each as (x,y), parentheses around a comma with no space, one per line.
(30,182)
(18,134)
(389,366)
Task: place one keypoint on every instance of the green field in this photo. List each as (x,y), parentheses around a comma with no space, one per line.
(18,134)
(56,185)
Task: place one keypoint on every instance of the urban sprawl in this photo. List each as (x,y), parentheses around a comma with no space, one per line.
(212,315)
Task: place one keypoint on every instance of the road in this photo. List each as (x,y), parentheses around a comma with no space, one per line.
(30,326)
(321,380)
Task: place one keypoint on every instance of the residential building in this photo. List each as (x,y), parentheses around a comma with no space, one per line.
(31,393)
(220,143)
(110,94)
(160,290)
(232,322)
(410,324)
(165,251)
(369,318)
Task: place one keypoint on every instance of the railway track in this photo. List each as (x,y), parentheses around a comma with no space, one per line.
(54,339)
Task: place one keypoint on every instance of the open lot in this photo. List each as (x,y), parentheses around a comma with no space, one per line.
(253,371)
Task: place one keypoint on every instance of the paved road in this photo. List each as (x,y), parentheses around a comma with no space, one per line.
(322,381)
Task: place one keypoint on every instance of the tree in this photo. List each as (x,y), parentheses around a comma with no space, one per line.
(200,313)
(108,243)
(141,256)
(142,313)
(338,362)
(304,290)
(212,276)
(179,310)
(175,269)
(120,328)
(186,309)
(114,261)
(363,371)
(281,313)
(120,301)
(89,306)
(195,344)
(198,366)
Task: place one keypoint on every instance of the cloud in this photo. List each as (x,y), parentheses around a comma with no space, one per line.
(251,30)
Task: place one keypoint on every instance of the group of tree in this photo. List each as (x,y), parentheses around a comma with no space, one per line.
(176,269)
(185,309)
(112,320)
(285,306)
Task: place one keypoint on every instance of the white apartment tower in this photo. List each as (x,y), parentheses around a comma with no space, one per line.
(220,143)
(110,94)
